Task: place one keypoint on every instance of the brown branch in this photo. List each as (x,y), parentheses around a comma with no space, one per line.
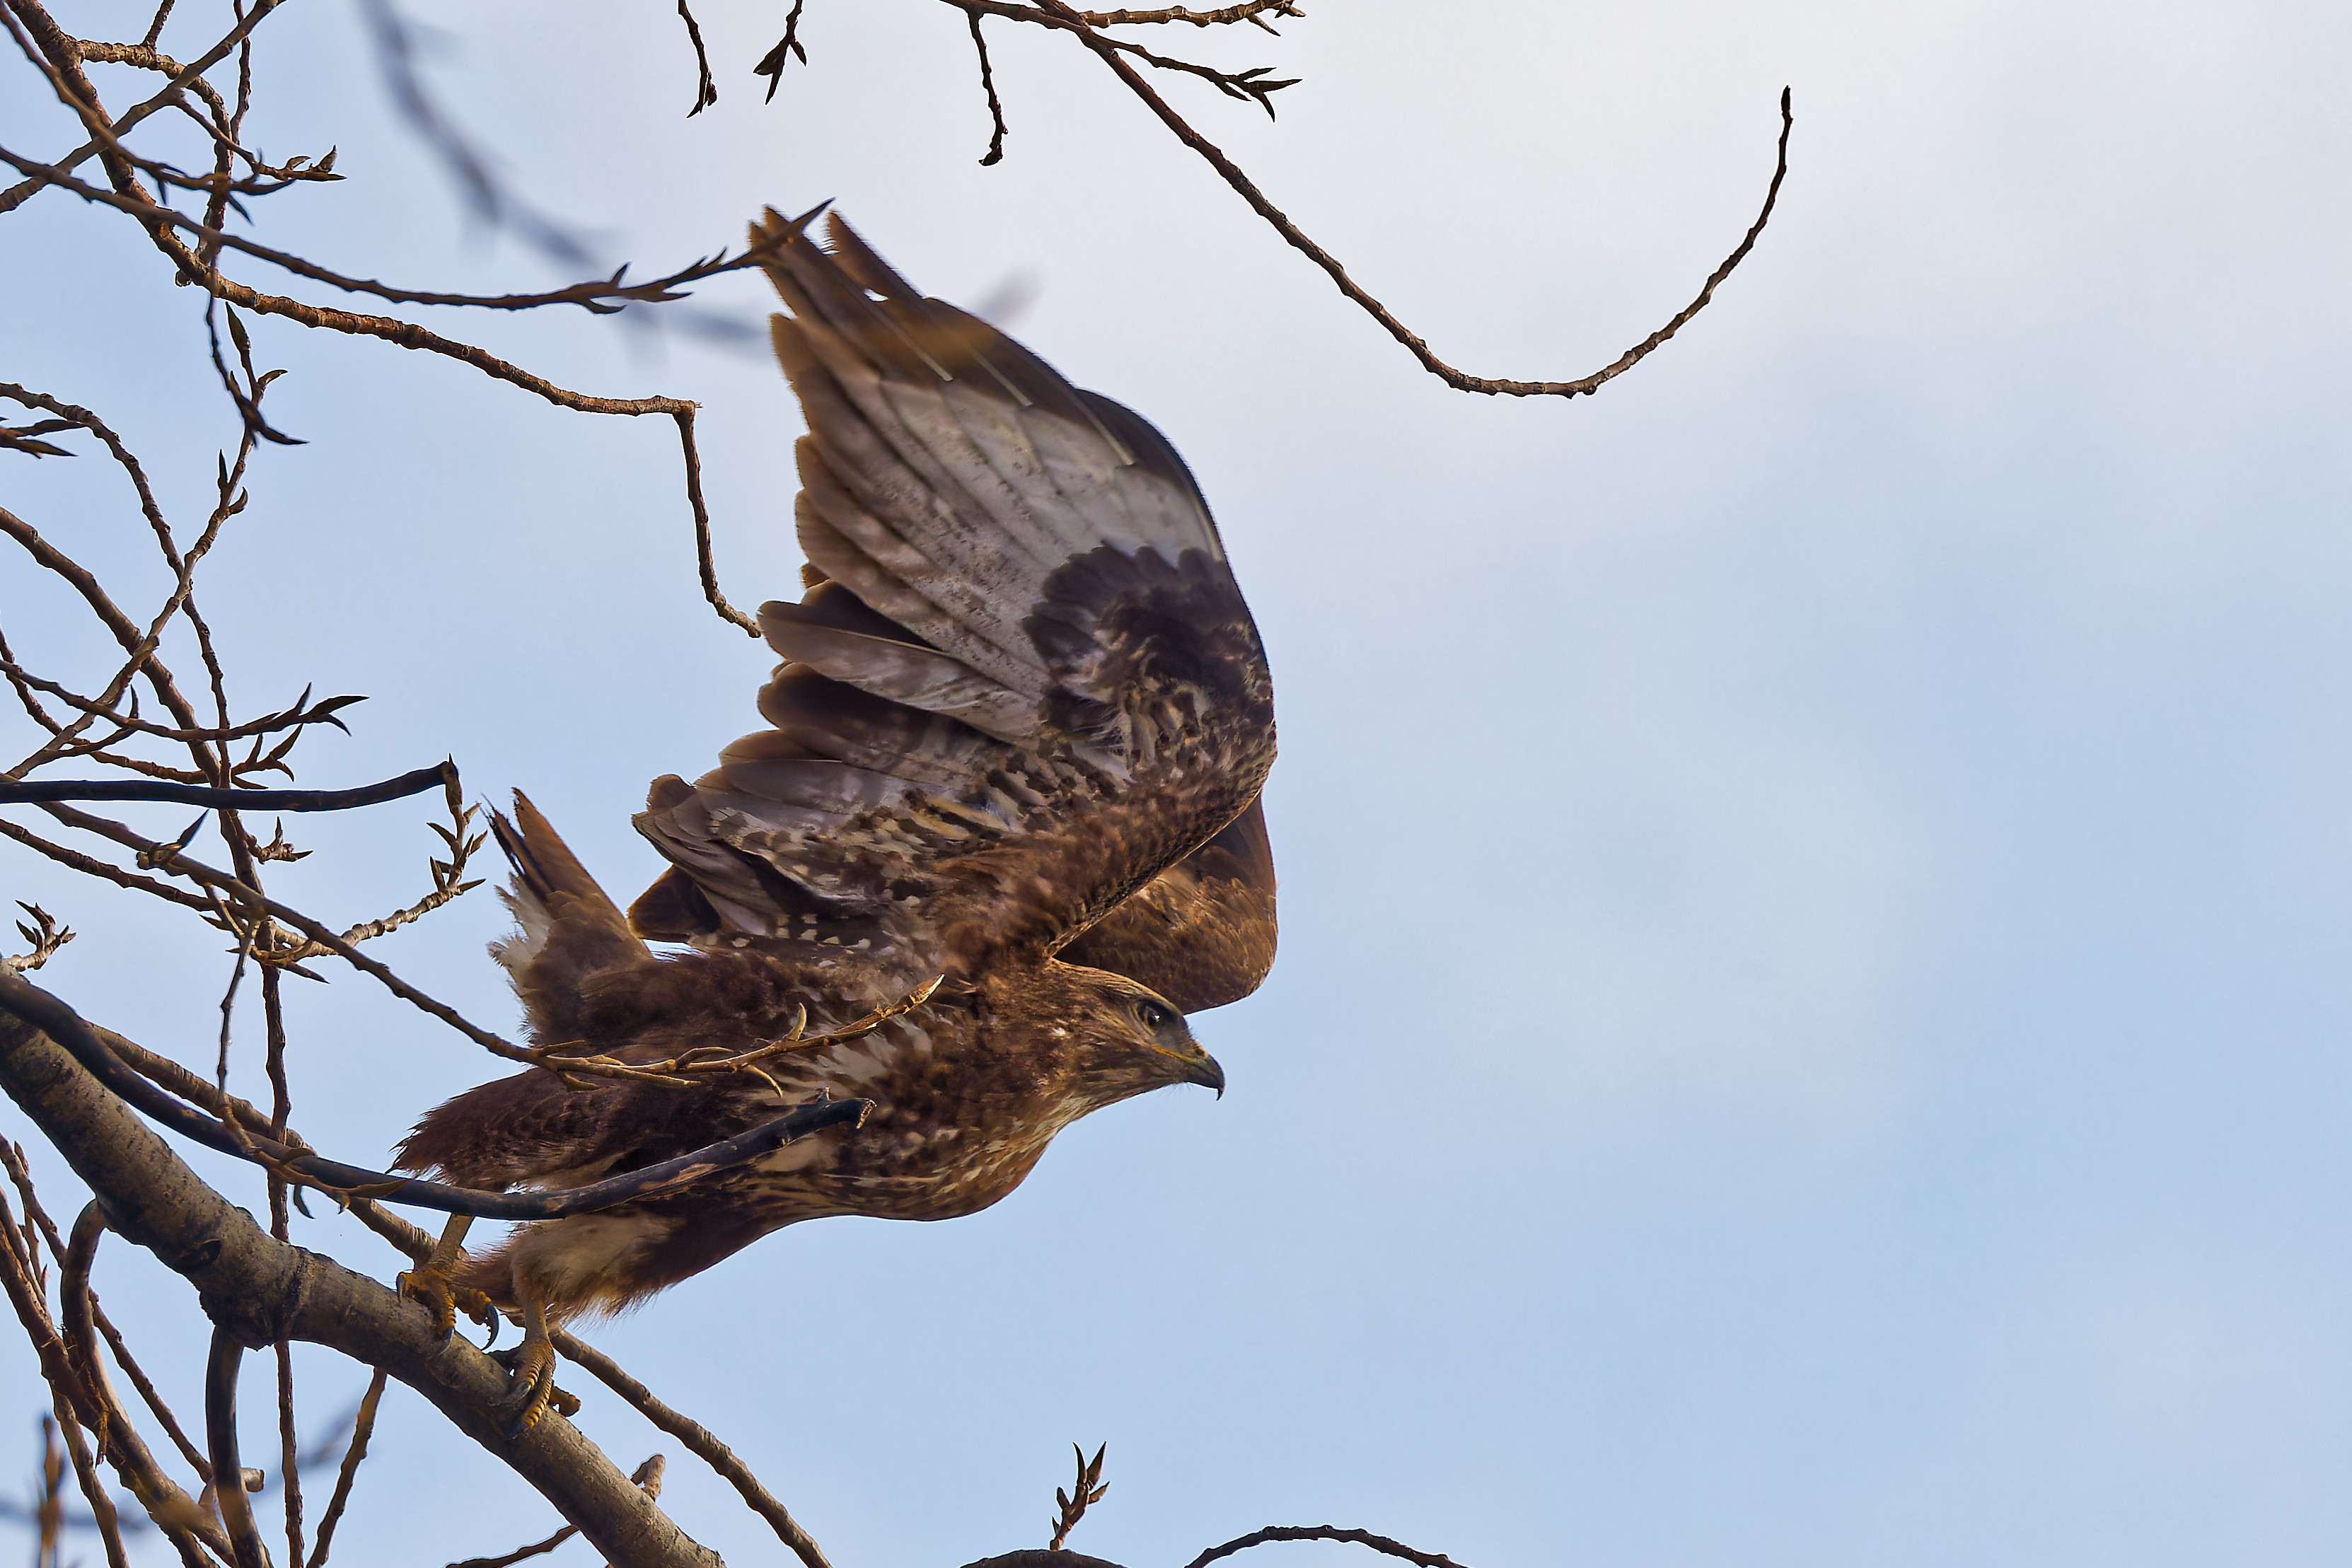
(1324,1532)
(727,612)
(408,335)
(523,1553)
(228,1492)
(1460,380)
(14,195)
(302,714)
(705,92)
(90,1406)
(771,65)
(290,1446)
(139,645)
(1252,11)
(592,294)
(74,860)
(699,1440)
(385,329)
(1250,85)
(94,1491)
(146,57)
(251,899)
(988,85)
(362,1428)
(46,936)
(1089,1491)
(264,1290)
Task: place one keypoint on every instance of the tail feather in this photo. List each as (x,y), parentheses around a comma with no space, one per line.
(570,931)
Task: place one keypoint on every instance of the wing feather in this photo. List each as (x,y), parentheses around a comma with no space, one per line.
(1023,686)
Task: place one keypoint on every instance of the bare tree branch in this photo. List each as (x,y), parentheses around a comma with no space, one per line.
(258,1289)
(362,1428)
(1461,379)
(444,776)
(1380,1543)
(699,1441)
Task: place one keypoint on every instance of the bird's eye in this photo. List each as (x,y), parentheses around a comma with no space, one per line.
(1153,1014)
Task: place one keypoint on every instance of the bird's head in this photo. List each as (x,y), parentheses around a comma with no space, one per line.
(1122,1039)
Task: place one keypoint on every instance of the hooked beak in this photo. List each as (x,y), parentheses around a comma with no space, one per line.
(1206,1074)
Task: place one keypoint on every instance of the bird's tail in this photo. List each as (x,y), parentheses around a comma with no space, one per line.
(568,930)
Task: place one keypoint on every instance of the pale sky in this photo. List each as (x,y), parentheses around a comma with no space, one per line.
(1812,1026)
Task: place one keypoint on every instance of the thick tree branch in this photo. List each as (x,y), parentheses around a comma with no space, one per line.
(259,1290)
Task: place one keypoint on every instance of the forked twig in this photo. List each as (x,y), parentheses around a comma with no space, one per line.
(1087,1493)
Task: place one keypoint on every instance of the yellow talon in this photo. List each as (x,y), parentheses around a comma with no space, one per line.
(531,1389)
(433,1284)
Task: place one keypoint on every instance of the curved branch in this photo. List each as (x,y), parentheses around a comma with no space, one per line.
(264,1291)
(1460,380)
(220,1440)
(1324,1532)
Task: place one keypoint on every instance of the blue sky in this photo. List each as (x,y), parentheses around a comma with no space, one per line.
(1812,1012)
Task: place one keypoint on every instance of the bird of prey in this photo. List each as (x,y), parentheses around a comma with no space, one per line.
(1014,748)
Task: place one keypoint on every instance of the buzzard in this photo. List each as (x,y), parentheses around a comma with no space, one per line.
(1012,753)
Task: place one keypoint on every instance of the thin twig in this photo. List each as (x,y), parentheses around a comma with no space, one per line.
(988,85)
(705,92)
(93,1489)
(1460,380)
(1087,1493)
(648,1477)
(771,65)
(1324,1532)
(699,1440)
(15,194)
(521,1553)
(597,295)
(1251,11)
(727,612)
(362,1428)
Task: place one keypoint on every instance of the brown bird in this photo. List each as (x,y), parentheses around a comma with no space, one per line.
(1014,748)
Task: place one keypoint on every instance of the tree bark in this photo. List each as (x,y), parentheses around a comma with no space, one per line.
(259,1290)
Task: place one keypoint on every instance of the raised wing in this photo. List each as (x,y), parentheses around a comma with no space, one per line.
(1026,685)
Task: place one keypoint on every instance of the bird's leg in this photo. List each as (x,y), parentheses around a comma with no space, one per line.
(433,1283)
(532,1388)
